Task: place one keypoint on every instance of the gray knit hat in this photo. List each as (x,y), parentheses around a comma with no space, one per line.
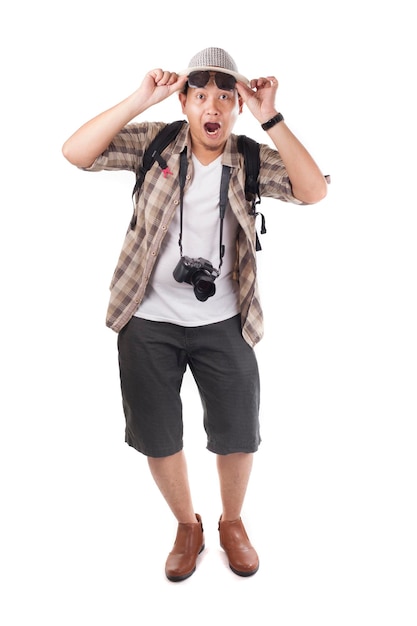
(214,59)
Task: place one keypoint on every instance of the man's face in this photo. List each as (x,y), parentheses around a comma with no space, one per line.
(212,113)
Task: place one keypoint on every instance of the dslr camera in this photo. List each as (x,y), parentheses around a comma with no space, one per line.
(197,272)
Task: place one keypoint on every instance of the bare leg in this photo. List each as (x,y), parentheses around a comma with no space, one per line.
(171,476)
(234,473)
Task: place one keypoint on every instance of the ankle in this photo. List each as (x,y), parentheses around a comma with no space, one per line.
(188,519)
(229,518)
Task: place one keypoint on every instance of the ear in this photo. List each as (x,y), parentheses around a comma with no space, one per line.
(240,105)
(183,99)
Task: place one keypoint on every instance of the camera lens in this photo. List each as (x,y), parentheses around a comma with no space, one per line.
(204,287)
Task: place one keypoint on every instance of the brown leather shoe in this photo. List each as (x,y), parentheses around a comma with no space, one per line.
(189,542)
(242,556)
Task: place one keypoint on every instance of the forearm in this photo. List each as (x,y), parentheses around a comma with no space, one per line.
(307,181)
(89,141)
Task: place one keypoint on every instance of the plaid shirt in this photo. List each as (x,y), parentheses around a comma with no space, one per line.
(156,204)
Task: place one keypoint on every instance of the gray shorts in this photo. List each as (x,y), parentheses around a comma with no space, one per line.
(153,357)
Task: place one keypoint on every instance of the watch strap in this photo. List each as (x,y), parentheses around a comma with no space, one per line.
(274,120)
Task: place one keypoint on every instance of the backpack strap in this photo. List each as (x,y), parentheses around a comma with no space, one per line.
(249,148)
(153,153)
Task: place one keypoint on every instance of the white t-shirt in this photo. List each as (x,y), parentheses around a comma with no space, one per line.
(167,300)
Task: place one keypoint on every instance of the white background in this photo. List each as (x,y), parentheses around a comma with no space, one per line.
(331,507)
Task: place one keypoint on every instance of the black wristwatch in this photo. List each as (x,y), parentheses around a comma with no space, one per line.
(274,120)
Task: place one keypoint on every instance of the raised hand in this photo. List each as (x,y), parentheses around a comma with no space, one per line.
(260,96)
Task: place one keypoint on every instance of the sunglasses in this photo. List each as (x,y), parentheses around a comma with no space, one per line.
(200,79)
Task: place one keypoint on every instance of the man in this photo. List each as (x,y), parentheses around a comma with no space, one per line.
(184,292)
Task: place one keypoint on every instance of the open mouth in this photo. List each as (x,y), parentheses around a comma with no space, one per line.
(212,128)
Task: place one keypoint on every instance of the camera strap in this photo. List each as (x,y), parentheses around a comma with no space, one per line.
(223,199)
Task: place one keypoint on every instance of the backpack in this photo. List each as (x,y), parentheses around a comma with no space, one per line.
(248,147)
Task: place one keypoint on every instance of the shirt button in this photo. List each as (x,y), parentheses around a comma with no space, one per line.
(176,201)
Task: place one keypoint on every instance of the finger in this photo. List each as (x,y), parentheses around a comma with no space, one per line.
(156,74)
(261,82)
(181,80)
(258,83)
(272,81)
(174,78)
(243,89)
(167,78)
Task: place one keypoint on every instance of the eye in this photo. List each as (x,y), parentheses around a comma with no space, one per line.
(224,96)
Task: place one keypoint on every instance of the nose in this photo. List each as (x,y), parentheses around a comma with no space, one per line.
(212,103)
